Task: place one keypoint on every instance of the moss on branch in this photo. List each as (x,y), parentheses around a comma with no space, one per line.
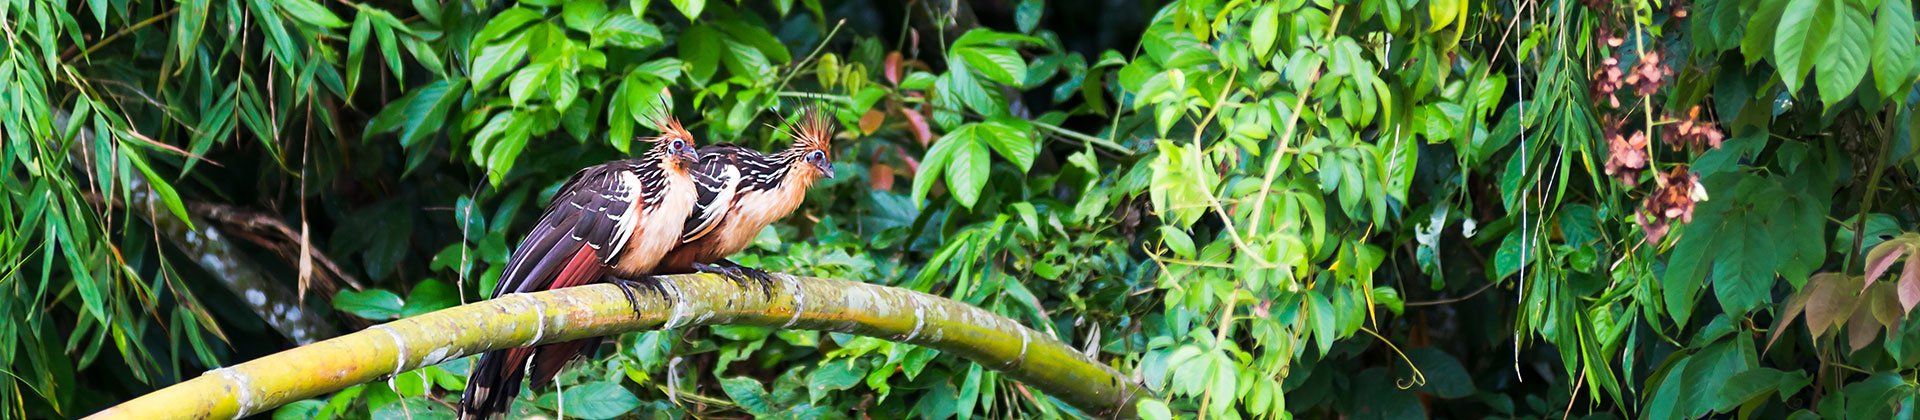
(884,312)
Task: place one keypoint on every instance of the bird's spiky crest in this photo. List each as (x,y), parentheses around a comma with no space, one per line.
(668,124)
(813,130)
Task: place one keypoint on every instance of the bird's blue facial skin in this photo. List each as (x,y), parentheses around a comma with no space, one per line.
(819,160)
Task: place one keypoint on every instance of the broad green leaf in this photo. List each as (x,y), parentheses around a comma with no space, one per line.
(428,296)
(371,304)
(1446,378)
(1008,137)
(758,38)
(520,86)
(496,60)
(426,113)
(833,376)
(592,400)
(1759,382)
(1443,12)
(1843,61)
(1893,51)
(749,394)
(1758,43)
(299,410)
(1177,240)
(982,36)
(626,31)
(1266,28)
(583,15)
(1027,15)
(416,408)
(967,172)
(999,64)
(1804,28)
(691,8)
(311,12)
(701,47)
(500,25)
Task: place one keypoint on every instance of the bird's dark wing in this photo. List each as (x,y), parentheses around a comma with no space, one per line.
(718,182)
(583,228)
(590,217)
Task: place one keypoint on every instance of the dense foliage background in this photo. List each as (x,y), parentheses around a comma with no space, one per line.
(1369,208)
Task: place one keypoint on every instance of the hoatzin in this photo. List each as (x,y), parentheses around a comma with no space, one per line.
(610,222)
(743,190)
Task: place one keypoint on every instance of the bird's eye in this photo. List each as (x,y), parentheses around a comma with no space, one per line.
(677,145)
(816,156)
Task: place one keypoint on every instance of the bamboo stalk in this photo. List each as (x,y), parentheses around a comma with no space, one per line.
(884,312)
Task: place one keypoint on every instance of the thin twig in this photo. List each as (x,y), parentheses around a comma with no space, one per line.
(67,57)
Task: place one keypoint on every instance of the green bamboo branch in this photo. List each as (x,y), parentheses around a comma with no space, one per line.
(685,301)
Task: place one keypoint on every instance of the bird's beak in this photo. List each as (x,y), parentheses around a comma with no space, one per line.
(689,156)
(826,169)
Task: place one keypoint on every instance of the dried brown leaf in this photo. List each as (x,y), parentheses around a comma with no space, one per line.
(892,68)
(1795,305)
(870,121)
(1831,297)
(919,123)
(1861,329)
(1909,286)
(1881,258)
(880,177)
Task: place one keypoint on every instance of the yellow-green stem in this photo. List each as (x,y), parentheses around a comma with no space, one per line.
(884,312)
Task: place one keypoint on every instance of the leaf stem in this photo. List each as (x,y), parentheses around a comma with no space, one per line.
(122,33)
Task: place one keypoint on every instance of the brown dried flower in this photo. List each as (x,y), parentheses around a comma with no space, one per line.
(1649,75)
(1626,153)
(1693,132)
(1607,80)
(1673,199)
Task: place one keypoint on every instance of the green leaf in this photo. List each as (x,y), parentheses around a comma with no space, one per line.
(1446,378)
(1008,137)
(1027,15)
(299,410)
(1266,29)
(700,48)
(1804,28)
(1154,409)
(1758,42)
(1753,384)
(372,304)
(626,31)
(1177,240)
(427,111)
(501,25)
(744,60)
(749,394)
(932,164)
(982,36)
(691,8)
(583,15)
(593,400)
(1320,313)
(428,296)
(1893,51)
(520,86)
(416,408)
(833,376)
(758,38)
(310,12)
(496,60)
(1874,397)
(999,64)
(1843,61)
(168,197)
(967,173)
